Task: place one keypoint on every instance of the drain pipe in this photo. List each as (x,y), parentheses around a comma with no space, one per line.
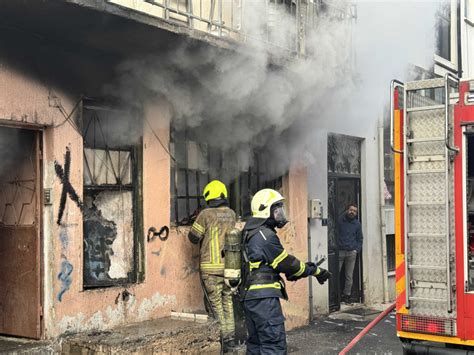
(366,329)
(383,225)
(310,279)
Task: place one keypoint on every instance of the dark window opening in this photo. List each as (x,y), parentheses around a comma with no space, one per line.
(196,164)
(470,211)
(443,31)
(389,180)
(112,209)
(390,252)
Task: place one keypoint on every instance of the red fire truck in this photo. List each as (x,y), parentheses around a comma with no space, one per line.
(432,137)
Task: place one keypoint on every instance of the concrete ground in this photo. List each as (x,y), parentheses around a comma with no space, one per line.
(326,335)
(10,345)
(330,334)
(161,336)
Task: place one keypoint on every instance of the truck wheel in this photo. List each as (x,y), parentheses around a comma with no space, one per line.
(406,346)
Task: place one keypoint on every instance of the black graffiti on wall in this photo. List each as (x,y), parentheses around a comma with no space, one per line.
(68,189)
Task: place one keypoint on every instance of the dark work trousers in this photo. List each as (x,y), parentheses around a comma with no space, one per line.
(348,259)
(265,326)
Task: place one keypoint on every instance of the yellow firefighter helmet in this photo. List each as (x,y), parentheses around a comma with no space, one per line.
(263,200)
(215,189)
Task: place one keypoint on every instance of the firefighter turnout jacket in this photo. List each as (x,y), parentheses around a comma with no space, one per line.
(266,259)
(209,229)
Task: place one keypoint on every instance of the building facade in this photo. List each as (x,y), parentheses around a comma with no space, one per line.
(88,175)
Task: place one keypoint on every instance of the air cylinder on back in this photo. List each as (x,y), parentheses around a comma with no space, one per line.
(232,259)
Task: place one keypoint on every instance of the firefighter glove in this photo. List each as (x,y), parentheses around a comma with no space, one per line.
(312,268)
(322,275)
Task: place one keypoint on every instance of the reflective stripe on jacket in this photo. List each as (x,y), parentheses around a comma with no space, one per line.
(267,259)
(210,227)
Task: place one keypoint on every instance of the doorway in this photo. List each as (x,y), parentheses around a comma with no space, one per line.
(20,232)
(343,188)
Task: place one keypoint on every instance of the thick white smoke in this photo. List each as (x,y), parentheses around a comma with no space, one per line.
(250,99)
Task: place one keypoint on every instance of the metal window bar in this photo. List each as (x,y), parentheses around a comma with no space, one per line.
(235,15)
(188,13)
(108,163)
(100,141)
(253,179)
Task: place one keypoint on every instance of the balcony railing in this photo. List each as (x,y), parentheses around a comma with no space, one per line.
(275,22)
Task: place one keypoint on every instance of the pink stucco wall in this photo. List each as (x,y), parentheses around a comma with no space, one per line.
(295,239)
(171,274)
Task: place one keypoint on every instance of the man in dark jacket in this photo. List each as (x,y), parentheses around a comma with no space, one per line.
(265,258)
(350,243)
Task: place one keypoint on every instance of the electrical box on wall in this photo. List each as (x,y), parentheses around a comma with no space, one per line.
(315,209)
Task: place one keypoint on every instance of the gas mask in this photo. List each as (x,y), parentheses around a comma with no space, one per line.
(278,214)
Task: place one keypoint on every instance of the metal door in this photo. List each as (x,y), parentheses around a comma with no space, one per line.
(341,191)
(20,267)
(344,156)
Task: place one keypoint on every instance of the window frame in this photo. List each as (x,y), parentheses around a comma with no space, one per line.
(239,197)
(137,272)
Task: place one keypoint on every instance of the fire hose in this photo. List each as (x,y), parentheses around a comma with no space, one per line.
(366,329)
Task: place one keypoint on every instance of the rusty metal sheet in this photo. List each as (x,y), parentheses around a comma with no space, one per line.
(19,280)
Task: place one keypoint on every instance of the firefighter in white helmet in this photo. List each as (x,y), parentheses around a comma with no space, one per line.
(264,260)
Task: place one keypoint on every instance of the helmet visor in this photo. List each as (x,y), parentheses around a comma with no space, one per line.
(279,215)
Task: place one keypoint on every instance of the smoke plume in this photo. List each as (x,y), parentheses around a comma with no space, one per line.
(254,99)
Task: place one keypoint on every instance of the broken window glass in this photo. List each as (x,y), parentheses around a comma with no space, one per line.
(111,138)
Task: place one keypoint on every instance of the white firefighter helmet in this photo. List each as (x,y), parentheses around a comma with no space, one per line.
(263,201)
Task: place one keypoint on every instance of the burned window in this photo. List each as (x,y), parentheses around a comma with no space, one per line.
(196,164)
(112,210)
(248,182)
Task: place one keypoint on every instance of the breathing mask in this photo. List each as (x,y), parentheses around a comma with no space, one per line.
(278,214)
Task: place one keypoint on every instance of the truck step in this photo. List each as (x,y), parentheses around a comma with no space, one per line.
(430,235)
(426,158)
(427,171)
(425,140)
(426,108)
(427,299)
(424,84)
(427,267)
(420,203)
(429,285)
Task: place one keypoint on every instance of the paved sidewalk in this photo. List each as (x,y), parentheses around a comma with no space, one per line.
(326,335)
(330,334)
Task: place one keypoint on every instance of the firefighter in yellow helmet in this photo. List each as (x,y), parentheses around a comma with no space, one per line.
(262,287)
(209,231)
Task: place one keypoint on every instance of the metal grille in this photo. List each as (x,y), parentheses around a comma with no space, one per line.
(196,164)
(428,325)
(18,183)
(110,182)
(237,19)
